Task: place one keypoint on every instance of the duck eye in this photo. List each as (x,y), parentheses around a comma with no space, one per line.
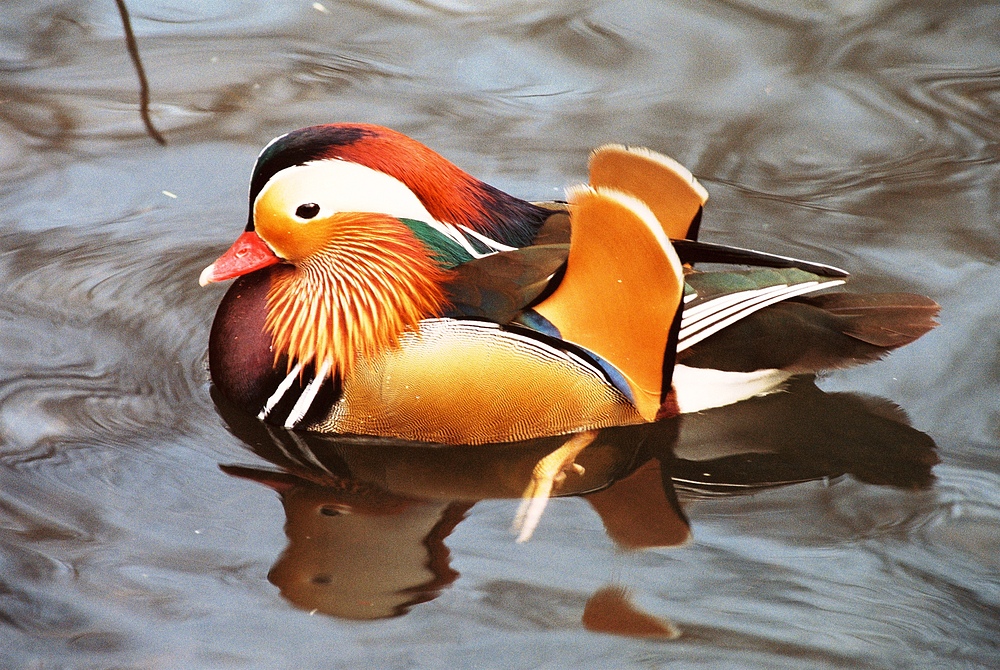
(307,211)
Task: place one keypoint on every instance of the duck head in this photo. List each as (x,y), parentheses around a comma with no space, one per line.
(346,283)
(328,203)
(363,159)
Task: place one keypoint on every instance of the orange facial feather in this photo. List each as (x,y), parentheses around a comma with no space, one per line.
(356,295)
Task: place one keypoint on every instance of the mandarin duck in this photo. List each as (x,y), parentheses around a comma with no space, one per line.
(381,290)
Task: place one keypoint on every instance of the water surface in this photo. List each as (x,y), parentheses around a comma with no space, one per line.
(142,526)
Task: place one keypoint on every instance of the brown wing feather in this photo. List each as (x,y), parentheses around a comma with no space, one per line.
(881,319)
(499,286)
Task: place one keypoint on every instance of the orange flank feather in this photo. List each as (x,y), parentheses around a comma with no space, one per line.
(354,295)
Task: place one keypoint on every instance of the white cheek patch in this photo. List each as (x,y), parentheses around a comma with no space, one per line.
(341,186)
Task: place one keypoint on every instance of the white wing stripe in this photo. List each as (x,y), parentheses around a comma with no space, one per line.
(492,244)
(710,307)
(724,311)
(456,236)
(689,340)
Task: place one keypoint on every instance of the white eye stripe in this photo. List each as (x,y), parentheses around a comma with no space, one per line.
(336,186)
(341,186)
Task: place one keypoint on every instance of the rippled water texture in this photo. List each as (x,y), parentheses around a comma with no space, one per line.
(143,526)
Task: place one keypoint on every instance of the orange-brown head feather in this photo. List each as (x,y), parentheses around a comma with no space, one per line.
(449,193)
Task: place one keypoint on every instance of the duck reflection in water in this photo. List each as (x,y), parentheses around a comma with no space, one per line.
(367,519)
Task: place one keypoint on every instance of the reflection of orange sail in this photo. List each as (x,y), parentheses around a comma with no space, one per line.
(640,512)
(611,610)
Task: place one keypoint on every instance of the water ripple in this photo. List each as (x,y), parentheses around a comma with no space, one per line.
(859,132)
(76,362)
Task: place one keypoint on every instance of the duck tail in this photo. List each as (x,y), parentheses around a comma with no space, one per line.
(818,332)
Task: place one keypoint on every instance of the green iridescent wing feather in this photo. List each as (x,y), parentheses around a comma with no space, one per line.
(446,250)
(711,285)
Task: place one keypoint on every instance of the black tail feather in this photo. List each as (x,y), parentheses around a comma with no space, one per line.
(691,251)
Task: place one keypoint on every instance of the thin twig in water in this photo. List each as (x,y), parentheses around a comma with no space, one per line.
(133,51)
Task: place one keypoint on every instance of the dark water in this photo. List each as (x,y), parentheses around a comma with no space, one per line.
(859,133)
